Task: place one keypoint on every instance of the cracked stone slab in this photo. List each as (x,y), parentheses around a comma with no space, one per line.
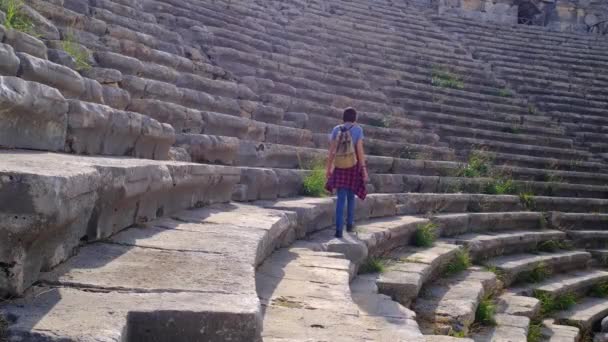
(585,313)
(509,328)
(48,314)
(559,333)
(103,266)
(58,199)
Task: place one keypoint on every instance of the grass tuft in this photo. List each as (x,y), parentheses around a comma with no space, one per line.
(459,334)
(426,234)
(373,265)
(445,79)
(478,165)
(485,312)
(535,332)
(15,18)
(504,92)
(599,290)
(552,246)
(500,186)
(527,200)
(539,273)
(550,303)
(461,262)
(79,53)
(314,182)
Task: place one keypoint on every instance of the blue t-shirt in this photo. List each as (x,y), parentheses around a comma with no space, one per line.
(356,132)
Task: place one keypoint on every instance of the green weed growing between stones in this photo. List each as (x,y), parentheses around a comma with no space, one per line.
(461,262)
(552,246)
(599,290)
(373,265)
(527,200)
(550,303)
(504,92)
(314,182)
(426,234)
(459,334)
(484,314)
(500,186)
(443,78)
(81,55)
(539,273)
(535,332)
(478,165)
(15,18)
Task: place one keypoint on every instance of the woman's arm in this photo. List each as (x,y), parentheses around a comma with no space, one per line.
(330,158)
(361,159)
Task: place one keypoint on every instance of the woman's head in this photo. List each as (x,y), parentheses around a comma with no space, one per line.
(349,115)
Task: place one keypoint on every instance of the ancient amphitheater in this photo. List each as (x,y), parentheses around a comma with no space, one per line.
(156,157)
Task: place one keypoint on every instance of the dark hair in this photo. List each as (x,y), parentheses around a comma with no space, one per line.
(350,115)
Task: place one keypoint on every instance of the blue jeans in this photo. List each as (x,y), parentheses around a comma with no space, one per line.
(345,195)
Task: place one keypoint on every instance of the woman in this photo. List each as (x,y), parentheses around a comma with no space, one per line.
(346,168)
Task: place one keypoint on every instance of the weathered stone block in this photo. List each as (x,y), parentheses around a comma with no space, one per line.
(32,115)
(257,184)
(233,126)
(9,62)
(68,81)
(209,148)
(184,120)
(23,42)
(115,97)
(125,64)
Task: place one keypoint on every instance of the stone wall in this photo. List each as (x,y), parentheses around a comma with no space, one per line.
(562,15)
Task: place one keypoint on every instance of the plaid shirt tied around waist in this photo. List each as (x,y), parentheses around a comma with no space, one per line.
(351,178)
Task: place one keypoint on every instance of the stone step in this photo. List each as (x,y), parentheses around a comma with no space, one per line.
(512,304)
(412,268)
(575,282)
(516,267)
(552,332)
(585,314)
(482,246)
(579,221)
(508,328)
(390,183)
(92,284)
(545,163)
(514,148)
(499,124)
(589,238)
(448,304)
(90,198)
(507,135)
(371,238)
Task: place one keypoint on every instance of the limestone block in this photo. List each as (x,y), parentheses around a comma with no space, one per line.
(115,97)
(198,99)
(103,75)
(209,148)
(125,64)
(183,120)
(43,26)
(179,154)
(162,91)
(288,136)
(32,115)
(136,86)
(23,42)
(99,129)
(159,72)
(61,57)
(93,91)
(45,210)
(290,181)
(233,126)
(9,62)
(68,81)
(258,184)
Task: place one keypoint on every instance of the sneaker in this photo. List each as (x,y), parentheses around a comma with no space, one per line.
(350,228)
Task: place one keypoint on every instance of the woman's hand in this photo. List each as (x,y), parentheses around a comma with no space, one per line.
(365,175)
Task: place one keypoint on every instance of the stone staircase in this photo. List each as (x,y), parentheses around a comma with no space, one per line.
(184,140)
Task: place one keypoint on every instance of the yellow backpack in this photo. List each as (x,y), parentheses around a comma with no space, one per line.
(345,151)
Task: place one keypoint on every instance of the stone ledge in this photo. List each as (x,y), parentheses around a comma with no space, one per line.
(54,201)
